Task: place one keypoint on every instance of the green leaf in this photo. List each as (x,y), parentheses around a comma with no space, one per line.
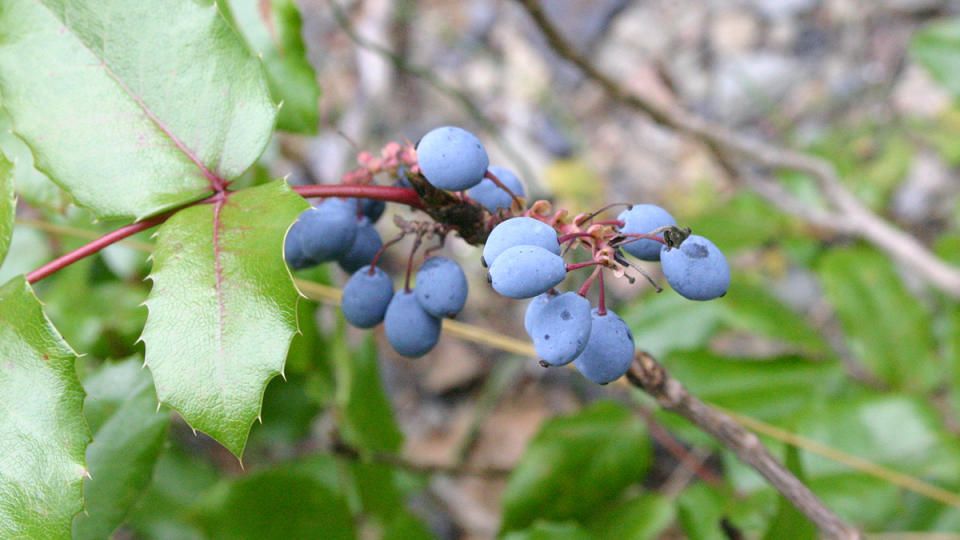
(937,47)
(576,465)
(898,432)
(32,186)
(767,389)
(42,431)
(646,516)
(272,29)
(222,310)
(368,421)
(132,109)
(544,530)
(8,206)
(179,480)
(886,327)
(749,308)
(667,322)
(278,503)
(129,432)
(789,523)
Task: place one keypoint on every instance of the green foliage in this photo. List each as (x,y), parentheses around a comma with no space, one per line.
(937,47)
(222,310)
(8,205)
(128,434)
(141,122)
(42,431)
(271,29)
(862,286)
(576,466)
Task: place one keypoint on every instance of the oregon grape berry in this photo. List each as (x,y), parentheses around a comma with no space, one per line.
(411,331)
(560,328)
(365,247)
(526,271)
(492,196)
(366,297)
(519,231)
(696,269)
(441,287)
(452,158)
(609,351)
(642,219)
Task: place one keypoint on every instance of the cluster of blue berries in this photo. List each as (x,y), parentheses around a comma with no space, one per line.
(524,256)
(337,230)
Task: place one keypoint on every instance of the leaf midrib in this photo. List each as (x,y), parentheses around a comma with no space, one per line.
(217,183)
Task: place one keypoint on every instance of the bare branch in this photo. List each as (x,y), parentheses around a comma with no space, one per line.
(651,377)
(851,216)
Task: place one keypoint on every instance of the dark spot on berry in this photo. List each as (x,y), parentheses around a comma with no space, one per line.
(694,251)
(565,315)
(543,364)
(489,278)
(546,336)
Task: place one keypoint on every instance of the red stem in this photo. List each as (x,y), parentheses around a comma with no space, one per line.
(637,236)
(602,302)
(406,283)
(570,236)
(586,284)
(400,195)
(616,222)
(405,196)
(493,178)
(95,246)
(576,266)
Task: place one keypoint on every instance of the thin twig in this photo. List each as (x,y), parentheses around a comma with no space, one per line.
(850,216)
(650,376)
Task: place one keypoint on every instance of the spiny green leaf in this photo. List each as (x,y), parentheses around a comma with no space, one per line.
(222,309)
(121,407)
(42,431)
(8,205)
(132,108)
(272,29)
(32,186)
(576,465)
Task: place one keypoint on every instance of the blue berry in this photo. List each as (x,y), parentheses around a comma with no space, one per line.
(642,219)
(293,249)
(561,328)
(325,232)
(365,247)
(490,195)
(372,208)
(519,231)
(410,329)
(366,297)
(452,158)
(696,269)
(526,271)
(441,287)
(609,351)
(535,307)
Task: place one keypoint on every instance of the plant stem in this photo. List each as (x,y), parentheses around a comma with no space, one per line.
(405,196)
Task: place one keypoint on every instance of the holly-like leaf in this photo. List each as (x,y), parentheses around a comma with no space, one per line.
(29,183)
(8,205)
(272,29)
(577,465)
(132,107)
(129,432)
(222,310)
(42,431)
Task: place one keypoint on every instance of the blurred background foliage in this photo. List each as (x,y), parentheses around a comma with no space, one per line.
(824,344)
